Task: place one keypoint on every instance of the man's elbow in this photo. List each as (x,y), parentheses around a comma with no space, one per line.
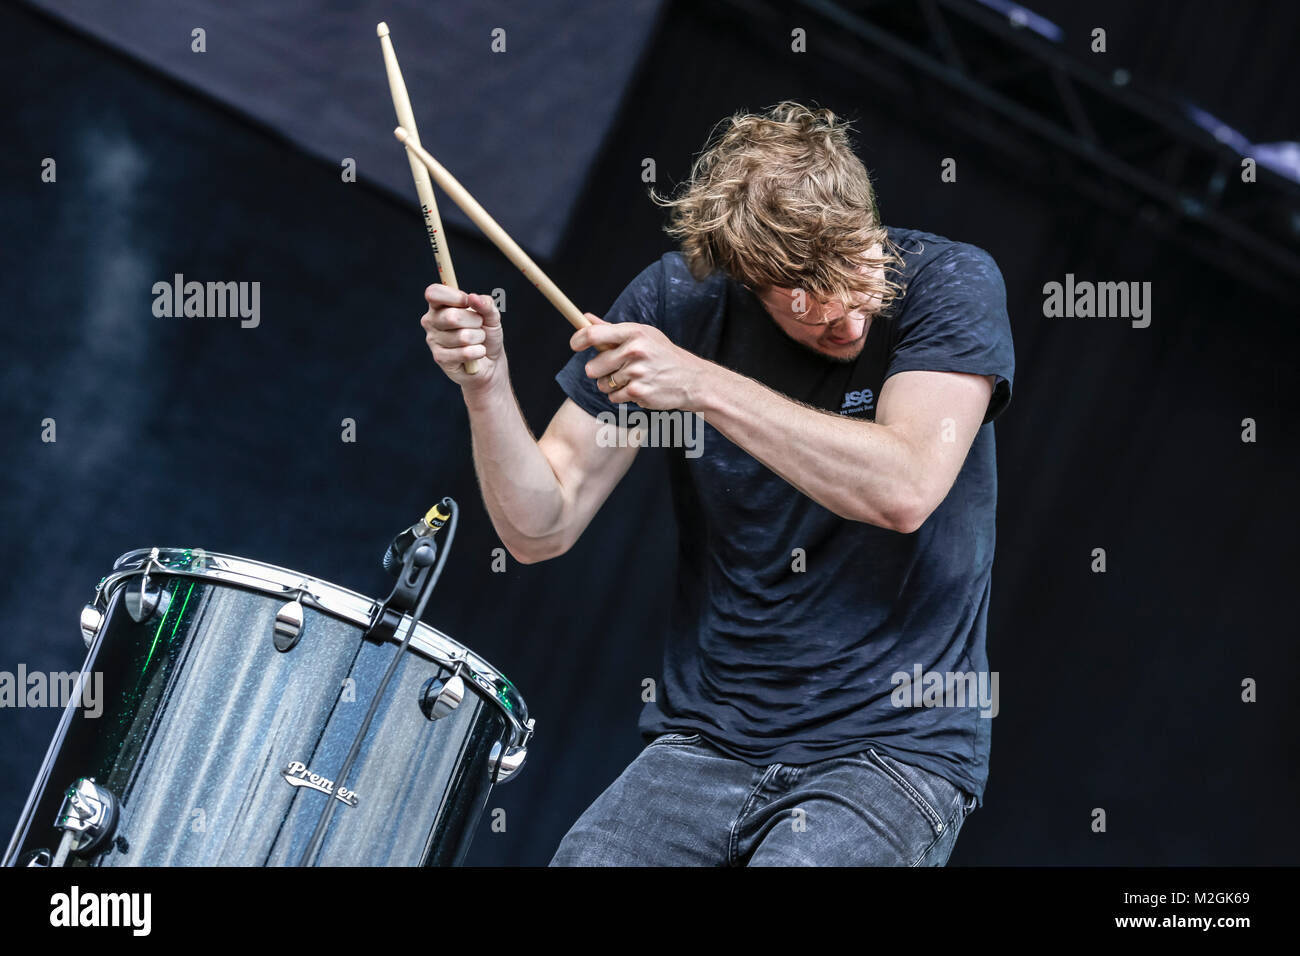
(901,517)
(909,511)
(908,522)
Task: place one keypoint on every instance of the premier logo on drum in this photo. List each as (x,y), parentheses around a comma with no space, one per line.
(298,775)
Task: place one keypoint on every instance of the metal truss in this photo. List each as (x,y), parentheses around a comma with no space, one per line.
(1062,119)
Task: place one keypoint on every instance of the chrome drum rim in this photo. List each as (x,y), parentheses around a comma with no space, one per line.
(331,599)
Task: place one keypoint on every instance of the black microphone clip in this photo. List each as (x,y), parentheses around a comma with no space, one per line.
(413,558)
(428,526)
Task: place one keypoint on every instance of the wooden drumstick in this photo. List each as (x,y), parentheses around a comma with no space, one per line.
(423,188)
(478,215)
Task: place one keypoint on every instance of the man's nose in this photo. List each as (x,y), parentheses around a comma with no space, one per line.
(847,324)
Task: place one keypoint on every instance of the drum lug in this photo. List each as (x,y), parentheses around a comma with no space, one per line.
(40,857)
(92,619)
(289,619)
(438,698)
(144,602)
(509,760)
(288,625)
(88,815)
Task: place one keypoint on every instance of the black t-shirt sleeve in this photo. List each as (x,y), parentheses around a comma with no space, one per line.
(955,320)
(641,301)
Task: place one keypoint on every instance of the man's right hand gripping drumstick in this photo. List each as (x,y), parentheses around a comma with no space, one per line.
(540,493)
(462,327)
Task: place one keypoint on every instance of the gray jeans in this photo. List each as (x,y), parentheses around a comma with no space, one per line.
(683,802)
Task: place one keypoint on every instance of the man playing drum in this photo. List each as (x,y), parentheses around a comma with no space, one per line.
(826,694)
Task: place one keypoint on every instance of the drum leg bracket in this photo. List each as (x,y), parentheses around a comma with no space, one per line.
(88,817)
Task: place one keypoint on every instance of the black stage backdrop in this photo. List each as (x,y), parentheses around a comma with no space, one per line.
(1119,690)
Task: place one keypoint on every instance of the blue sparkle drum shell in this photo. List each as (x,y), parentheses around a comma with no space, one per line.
(222,750)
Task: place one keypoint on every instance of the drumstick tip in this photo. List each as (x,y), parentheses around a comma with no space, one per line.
(382,29)
(401,133)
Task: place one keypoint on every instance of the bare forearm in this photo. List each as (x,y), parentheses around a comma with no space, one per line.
(858,470)
(522,494)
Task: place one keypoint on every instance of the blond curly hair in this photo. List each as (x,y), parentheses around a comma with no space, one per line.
(779,198)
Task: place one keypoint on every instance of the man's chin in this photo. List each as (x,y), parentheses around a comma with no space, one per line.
(844,354)
(848,352)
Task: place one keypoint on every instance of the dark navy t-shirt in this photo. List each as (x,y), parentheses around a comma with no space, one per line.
(778,656)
